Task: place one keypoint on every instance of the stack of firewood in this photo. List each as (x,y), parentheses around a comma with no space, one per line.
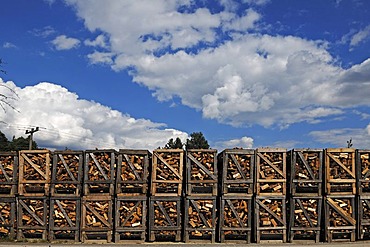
(363,189)
(8,173)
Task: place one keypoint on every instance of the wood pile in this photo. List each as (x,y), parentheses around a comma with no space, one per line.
(363,217)
(237,169)
(8,173)
(340,171)
(165,218)
(201,166)
(340,219)
(34,172)
(305,217)
(132,172)
(306,171)
(363,168)
(99,172)
(7,218)
(167,172)
(235,219)
(271,171)
(64,219)
(200,218)
(32,218)
(270,218)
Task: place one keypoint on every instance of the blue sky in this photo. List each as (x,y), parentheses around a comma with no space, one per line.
(132,74)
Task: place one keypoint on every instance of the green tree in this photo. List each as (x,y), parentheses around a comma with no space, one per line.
(197,141)
(4,142)
(171,144)
(21,143)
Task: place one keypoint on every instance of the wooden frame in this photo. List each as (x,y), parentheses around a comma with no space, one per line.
(7,218)
(67,173)
(340,171)
(167,172)
(305,218)
(130,219)
(34,173)
(271,176)
(132,172)
(200,219)
(237,168)
(363,171)
(99,172)
(235,224)
(9,174)
(340,218)
(64,219)
(363,217)
(306,172)
(165,218)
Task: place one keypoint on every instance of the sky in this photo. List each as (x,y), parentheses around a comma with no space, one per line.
(135,73)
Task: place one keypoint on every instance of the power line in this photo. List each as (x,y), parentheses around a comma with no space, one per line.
(31,131)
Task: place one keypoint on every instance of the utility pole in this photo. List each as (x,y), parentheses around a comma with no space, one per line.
(33,130)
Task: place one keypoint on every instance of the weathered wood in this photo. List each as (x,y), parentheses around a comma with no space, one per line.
(305,218)
(32,218)
(130,219)
(66,177)
(99,172)
(8,174)
(165,218)
(306,171)
(167,172)
(270,215)
(237,169)
(64,219)
(340,171)
(7,218)
(235,218)
(271,171)
(340,218)
(132,172)
(363,171)
(363,217)
(200,219)
(34,172)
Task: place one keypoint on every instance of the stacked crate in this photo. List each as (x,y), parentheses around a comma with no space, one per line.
(363,189)
(98,193)
(340,215)
(65,195)
(165,202)
(201,194)
(33,190)
(305,194)
(237,187)
(131,195)
(8,190)
(270,202)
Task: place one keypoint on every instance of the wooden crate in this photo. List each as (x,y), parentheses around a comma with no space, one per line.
(363,217)
(32,218)
(96,219)
(201,167)
(7,218)
(167,172)
(270,218)
(237,169)
(64,219)
(165,218)
(340,218)
(305,218)
(130,219)
(306,172)
(99,172)
(132,172)
(340,171)
(271,171)
(66,175)
(235,219)
(363,171)
(200,219)
(34,172)
(8,174)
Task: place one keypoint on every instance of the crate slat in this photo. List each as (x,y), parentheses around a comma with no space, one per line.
(8,174)
(7,218)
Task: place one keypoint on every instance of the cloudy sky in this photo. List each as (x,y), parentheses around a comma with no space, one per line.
(134,73)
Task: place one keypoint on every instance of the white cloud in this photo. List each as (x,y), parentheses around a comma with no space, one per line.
(100,41)
(248,79)
(63,42)
(8,45)
(360,36)
(67,121)
(243,142)
(43,32)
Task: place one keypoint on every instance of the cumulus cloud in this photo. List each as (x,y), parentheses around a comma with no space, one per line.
(249,79)
(99,41)
(65,120)
(62,42)
(360,36)
(243,142)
